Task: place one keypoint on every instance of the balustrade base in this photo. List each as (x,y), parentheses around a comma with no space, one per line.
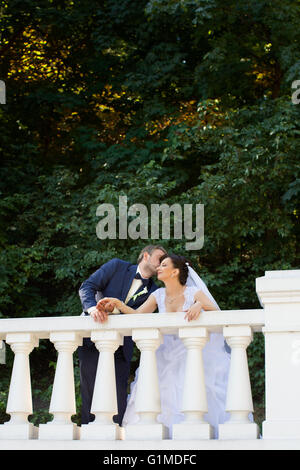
(102,448)
(142,432)
(101,432)
(187,431)
(18,431)
(53,431)
(238,431)
(281,429)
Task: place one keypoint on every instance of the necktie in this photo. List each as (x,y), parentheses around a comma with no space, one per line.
(144,281)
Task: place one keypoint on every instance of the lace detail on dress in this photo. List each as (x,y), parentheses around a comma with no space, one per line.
(160,294)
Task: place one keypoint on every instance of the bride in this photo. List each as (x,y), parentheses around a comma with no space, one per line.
(183,290)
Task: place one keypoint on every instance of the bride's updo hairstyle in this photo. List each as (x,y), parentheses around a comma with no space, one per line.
(181,263)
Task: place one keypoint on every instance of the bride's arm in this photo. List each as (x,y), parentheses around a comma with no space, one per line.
(201,302)
(147,307)
(206,303)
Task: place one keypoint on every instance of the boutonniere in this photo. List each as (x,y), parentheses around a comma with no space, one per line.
(144,291)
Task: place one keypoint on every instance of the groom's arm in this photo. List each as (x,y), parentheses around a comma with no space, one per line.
(96,282)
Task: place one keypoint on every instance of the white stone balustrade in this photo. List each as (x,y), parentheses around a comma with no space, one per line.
(278,319)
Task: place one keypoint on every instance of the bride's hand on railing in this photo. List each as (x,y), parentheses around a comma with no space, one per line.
(193,312)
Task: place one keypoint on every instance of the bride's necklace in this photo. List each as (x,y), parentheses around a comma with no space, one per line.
(172,299)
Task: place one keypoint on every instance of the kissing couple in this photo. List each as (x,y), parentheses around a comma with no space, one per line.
(129,288)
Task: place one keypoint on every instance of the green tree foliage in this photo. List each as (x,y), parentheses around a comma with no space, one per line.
(185,101)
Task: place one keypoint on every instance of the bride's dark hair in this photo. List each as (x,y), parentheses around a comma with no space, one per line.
(181,263)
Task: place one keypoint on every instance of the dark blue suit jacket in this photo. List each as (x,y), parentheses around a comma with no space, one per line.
(113,279)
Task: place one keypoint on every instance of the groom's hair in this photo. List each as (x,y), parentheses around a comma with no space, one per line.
(149,249)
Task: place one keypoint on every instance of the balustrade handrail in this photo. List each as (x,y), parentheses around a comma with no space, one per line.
(214,321)
(66,332)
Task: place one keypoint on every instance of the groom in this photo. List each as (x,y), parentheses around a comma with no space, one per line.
(120,279)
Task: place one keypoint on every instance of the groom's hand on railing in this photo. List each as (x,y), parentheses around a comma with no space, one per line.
(102,310)
(99,315)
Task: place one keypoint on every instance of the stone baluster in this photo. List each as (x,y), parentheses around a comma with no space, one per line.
(19,404)
(194,402)
(239,397)
(104,403)
(147,402)
(63,404)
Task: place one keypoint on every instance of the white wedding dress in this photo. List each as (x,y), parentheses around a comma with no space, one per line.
(171,356)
